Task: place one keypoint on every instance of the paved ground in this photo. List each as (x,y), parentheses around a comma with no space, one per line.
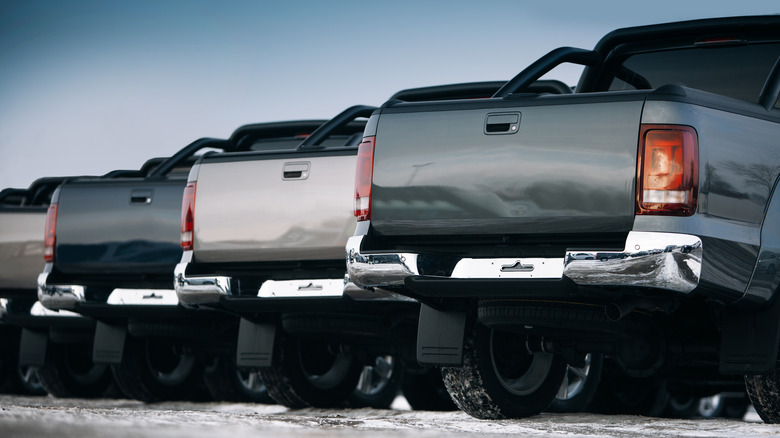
(78,418)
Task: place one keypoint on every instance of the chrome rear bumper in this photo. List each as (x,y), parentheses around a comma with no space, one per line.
(660,260)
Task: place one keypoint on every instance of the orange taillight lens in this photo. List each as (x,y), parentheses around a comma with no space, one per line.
(188,216)
(50,233)
(667,170)
(363,179)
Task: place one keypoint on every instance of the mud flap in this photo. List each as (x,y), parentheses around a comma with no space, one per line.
(749,343)
(109,343)
(440,337)
(32,348)
(255,344)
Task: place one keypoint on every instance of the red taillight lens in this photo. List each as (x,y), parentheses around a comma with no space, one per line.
(50,233)
(188,216)
(667,170)
(363,179)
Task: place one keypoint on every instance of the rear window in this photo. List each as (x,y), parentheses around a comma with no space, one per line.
(734,71)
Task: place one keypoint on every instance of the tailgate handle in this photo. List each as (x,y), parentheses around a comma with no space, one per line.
(502,123)
(295,171)
(143,197)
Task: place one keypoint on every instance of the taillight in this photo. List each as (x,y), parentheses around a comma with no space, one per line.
(50,233)
(363,179)
(667,170)
(188,216)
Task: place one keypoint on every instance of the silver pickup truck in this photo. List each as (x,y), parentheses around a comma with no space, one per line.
(635,219)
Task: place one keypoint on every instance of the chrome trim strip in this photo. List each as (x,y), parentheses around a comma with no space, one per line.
(3,307)
(302,288)
(153,297)
(57,296)
(664,260)
(199,290)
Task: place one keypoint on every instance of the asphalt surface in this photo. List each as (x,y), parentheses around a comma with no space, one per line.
(81,418)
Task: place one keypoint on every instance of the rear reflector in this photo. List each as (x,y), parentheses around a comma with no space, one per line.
(363,179)
(188,216)
(50,233)
(667,170)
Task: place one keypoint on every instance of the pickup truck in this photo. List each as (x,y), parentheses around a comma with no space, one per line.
(22,319)
(278,263)
(111,245)
(22,217)
(635,218)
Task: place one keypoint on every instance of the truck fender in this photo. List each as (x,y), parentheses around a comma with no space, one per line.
(750,338)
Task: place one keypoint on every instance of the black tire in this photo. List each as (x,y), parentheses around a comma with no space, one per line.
(378,385)
(622,394)
(425,391)
(724,406)
(15,379)
(682,406)
(68,371)
(154,369)
(307,373)
(579,386)
(764,393)
(500,379)
(227,382)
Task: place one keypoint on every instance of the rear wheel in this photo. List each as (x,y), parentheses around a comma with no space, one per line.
(155,369)
(579,385)
(311,373)
(764,393)
(379,384)
(68,371)
(501,379)
(623,394)
(227,382)
(425,391)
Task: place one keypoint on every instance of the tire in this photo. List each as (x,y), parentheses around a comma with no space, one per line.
(68,371)
(500,379)
(724,406)
(682,406)
(378,385)
(424,390)
(579,386)
(307,373)
(764,393)
(154,369)
(15,379)
(227,382)
(622,394)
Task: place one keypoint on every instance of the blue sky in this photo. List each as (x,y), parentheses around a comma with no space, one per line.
(87,86)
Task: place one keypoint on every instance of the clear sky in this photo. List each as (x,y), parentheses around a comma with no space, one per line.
(88,86)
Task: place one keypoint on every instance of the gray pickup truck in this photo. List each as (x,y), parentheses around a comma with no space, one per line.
(635,218)
(278,263)
(111,247)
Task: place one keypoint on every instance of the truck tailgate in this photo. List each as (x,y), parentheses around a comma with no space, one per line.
(278,208)
(567,166)
(119,226)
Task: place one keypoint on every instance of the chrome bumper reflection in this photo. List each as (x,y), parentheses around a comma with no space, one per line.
(661,260)
(57,296)
(199,290)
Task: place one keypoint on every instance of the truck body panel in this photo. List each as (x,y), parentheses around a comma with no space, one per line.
(274,207)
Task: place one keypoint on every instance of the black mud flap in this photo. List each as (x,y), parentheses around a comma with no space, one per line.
(440,337)
(109,343)
(32,348)
(749,343)
(255,344)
